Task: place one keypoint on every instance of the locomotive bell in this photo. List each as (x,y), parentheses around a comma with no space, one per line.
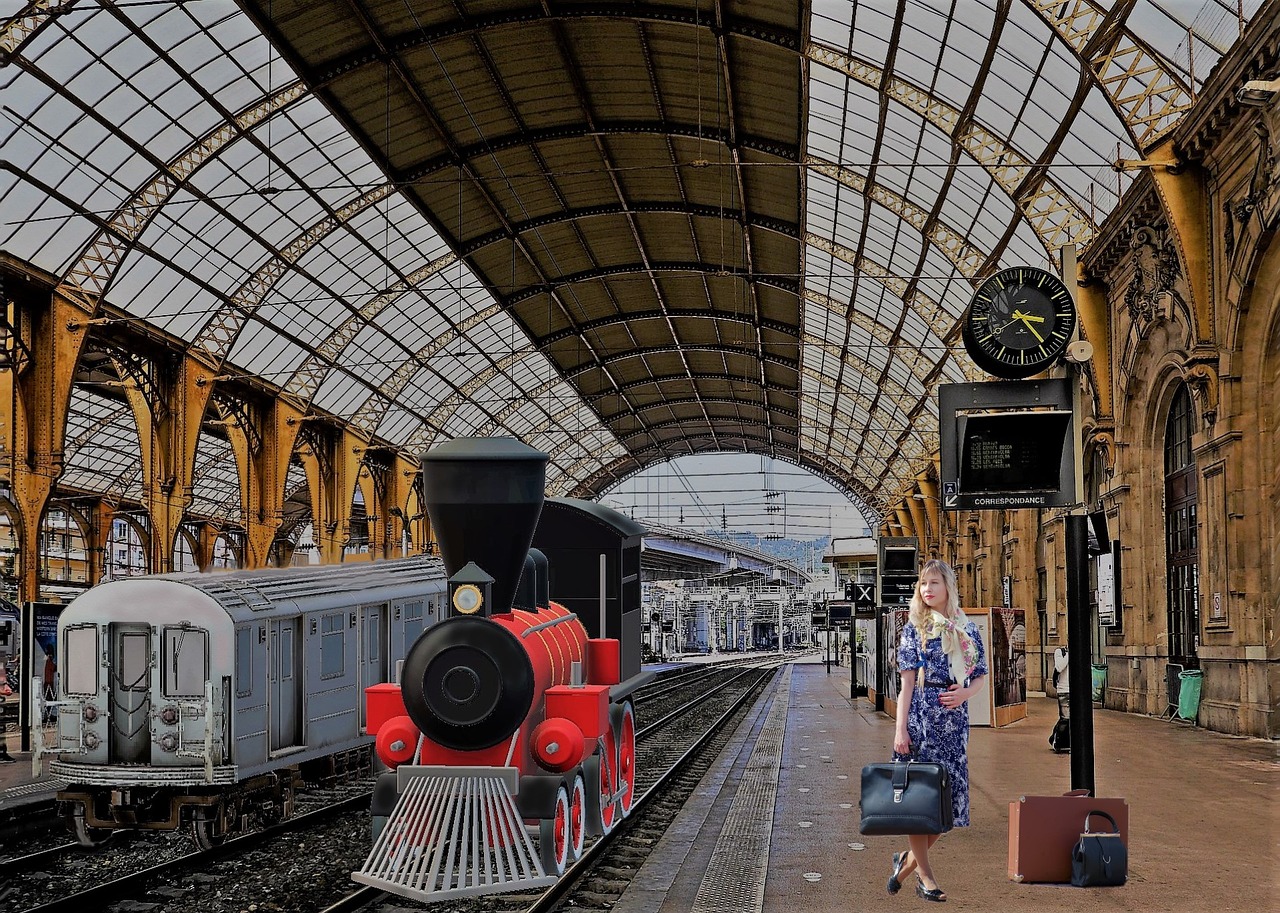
(484,496)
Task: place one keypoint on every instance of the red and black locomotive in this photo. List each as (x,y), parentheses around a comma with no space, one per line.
(513,715)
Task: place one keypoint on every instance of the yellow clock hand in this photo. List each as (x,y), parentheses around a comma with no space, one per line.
(1024,319)
(1018,315)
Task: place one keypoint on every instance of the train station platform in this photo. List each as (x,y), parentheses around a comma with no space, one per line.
(18,788)
(774,828)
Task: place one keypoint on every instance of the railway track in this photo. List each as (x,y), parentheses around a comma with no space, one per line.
(133,862)
(302,864)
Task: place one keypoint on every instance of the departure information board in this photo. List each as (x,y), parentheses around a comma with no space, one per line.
(1007,445)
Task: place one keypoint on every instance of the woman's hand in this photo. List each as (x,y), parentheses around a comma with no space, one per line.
(954,697)
(901,742)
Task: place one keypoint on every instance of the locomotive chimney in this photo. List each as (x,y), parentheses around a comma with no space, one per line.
(483,496)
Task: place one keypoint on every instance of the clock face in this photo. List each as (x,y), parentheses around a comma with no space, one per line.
(1021,320)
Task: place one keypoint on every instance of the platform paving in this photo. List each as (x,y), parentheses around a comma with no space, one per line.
(1203,807)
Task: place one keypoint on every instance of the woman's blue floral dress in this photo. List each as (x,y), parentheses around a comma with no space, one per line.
(938,734)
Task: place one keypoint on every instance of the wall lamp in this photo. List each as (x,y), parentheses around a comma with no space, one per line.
(1258,93)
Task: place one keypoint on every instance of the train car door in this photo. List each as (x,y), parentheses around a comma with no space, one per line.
(373,651)
(284,692)
(130,714)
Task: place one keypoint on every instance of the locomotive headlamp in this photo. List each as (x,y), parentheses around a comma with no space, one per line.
(90,713)
(467,599)
(169,715)
(91,741)
(471,593)
(169,742)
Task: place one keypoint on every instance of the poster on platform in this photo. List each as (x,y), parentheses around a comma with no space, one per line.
(1008,656)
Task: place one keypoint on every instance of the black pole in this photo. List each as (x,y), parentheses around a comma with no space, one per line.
(879,674)
(827,664)
(1079,653)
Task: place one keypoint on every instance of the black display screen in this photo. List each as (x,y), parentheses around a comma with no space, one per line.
(1012,451)
(899,561)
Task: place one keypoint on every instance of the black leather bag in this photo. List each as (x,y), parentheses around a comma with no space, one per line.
(1099,859)
(906,797)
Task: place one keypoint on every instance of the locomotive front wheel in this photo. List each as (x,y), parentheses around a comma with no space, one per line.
(205,834)
(554,837)
(601,784)
(577,816)
(89,836)
(625,724)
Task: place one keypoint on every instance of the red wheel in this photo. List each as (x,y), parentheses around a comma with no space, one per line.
(553,836)
(601,776)
(626,726)
(577,816)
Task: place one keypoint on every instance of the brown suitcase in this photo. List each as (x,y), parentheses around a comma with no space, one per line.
(1044,829)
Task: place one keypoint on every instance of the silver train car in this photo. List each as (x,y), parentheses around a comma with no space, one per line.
(205,700)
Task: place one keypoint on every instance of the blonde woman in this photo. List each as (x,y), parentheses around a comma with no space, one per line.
(942,663)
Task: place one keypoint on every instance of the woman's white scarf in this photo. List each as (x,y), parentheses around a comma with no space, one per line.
(962,653)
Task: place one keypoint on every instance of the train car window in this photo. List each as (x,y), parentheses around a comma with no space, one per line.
(286,654)
(412,622)
(134,661)
(186,662)
(332,654)
(244,661)
(373,636)
(80,660)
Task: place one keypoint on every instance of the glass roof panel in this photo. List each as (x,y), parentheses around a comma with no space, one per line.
(216,481)
(101,450)
(341,393)
(263,351)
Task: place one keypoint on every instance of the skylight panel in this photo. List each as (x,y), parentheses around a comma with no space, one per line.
(832,19)
(341,393)
(918,51)
(35,222)
(397,426)
(937,275)
(263,351)
(872,24)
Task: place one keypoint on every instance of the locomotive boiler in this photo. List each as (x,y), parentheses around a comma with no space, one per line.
(513,715)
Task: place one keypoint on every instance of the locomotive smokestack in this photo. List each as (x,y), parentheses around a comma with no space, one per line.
(483,496)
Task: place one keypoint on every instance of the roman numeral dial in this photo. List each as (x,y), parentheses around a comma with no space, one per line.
(1019,323)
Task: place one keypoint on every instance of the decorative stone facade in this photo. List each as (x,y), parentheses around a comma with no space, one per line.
(1188,271)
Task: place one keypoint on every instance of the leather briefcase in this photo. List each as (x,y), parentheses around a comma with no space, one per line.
(1043,831)
(906,797)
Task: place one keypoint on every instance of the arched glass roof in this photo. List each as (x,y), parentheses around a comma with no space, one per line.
(620,232)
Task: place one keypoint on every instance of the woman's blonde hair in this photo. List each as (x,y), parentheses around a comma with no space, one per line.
(919,611)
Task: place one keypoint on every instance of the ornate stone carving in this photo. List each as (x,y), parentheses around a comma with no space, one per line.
(1155,269)
(1264,183)
(1202,381)
(1229,226)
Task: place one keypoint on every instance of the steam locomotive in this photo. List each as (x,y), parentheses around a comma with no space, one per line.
(513,715)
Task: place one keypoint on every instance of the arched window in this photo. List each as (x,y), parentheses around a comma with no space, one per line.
(1181,540)
(184,552)
(126,552)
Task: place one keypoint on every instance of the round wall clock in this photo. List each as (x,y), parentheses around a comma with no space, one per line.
(1020,322)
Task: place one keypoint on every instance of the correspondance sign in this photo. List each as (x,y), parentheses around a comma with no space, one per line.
(1008,444)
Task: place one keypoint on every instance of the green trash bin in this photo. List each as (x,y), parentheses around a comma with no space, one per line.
(1099,681)
(1189,693)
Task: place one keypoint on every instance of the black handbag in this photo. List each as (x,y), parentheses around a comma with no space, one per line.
(1099,860)
(906,797)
